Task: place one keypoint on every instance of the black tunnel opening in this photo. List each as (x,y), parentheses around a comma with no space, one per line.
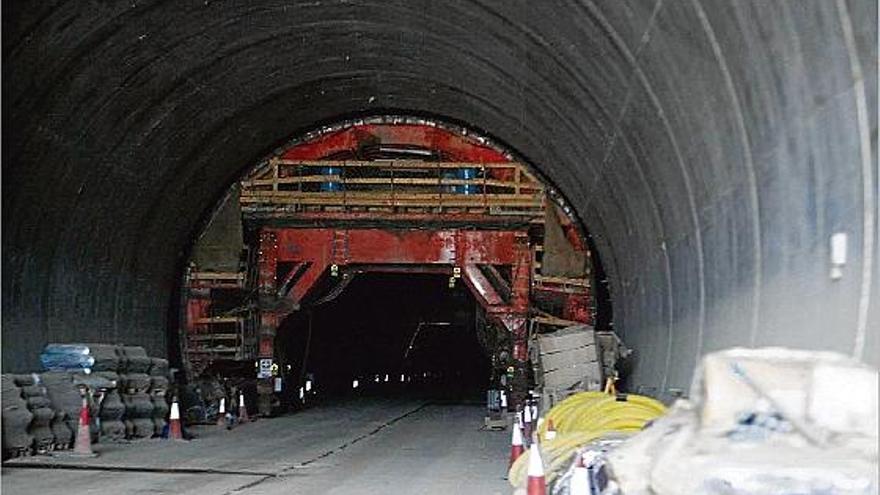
(388,335)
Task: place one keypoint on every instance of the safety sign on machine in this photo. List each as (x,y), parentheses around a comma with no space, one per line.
(265,368)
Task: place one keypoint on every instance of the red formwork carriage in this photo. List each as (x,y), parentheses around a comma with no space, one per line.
(397,197)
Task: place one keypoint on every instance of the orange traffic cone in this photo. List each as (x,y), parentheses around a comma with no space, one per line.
(516,444)
(83,445)
(536,484)
(174,430)
(550,434)
(580,479)
(242,410)
(221,412)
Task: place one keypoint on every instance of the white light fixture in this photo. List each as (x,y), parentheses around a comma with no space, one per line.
(838,255)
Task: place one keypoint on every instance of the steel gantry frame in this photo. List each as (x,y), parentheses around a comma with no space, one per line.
(293,260)
(410,197)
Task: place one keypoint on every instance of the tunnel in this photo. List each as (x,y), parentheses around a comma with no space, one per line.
(408,326)
(713,150)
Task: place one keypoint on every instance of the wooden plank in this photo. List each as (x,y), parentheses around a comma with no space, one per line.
(216,320)
(215,350)
(385,194)
(568,358)
(536,207)
(282,211)
(556,322)
(216,276)
(399,164)
(390,181)
(214,336)
(577,282)
(383,200)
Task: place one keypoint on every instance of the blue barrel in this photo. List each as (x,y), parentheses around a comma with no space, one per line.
(331,186)
(467,174)
(450,174)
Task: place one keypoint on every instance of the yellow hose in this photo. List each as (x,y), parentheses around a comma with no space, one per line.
(582,418)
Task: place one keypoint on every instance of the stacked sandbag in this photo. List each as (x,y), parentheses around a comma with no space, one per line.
(66,401)
(112,410)
(83,358)
(158,390)
(128,388)
(15,419)
(64,436)
(97,384)
(138,404)
(38,403)
(158,367)
(135,360)
(107,357)
(66,357)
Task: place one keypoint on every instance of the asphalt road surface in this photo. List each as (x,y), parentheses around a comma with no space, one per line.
(360,446)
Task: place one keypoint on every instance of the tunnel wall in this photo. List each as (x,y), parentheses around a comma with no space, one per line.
(711,147)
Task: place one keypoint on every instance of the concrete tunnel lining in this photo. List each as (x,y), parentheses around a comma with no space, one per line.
(711,148)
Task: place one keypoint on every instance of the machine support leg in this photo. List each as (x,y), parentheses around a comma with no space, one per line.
(267,284)
(265,389)
(516,320)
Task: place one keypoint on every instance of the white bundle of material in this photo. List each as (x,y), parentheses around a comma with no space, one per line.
(831,396)
(762,421)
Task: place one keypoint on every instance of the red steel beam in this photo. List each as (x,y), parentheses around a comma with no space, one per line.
(402,247)
(455,147)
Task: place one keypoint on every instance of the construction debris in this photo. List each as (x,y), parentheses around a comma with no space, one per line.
(575,359)
(768,421)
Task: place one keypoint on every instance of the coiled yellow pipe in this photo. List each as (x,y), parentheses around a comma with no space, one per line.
(582,418)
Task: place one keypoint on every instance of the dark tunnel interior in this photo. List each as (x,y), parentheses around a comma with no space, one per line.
(395,334)
(712,148)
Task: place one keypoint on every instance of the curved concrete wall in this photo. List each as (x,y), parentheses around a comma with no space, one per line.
(712,147)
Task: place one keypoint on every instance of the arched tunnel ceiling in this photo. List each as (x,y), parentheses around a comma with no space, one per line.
(712,148)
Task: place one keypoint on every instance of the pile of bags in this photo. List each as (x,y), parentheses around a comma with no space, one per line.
(16,418)
(43,424)
(83,358)
(127,397)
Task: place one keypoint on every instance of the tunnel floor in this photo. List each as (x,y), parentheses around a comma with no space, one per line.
(351,446)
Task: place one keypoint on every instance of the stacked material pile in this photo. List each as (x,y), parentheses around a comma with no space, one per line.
(574,359)
(38,403)
(157,392)
(134,359)
(112,409)
(769,421)
(580,420)
(138,405)
(135,392)
(127,388)
(83,358)
(16,418)
(66,401)
(96,384)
